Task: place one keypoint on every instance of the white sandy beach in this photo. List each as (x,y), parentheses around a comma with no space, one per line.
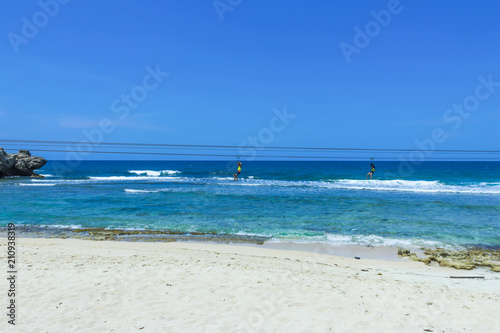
(68,285)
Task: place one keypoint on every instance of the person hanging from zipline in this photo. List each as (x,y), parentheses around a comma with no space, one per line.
(370,174)
(237,172)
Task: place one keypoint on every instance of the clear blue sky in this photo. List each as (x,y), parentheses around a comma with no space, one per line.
(226,76)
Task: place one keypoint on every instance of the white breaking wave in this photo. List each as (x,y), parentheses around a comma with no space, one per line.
(127,178)
(373,240)
(141,191)
(363,240)
(37,184)
(421,186)
(219,178)
(69,226)
(111,179)
(152,173)
(415,186)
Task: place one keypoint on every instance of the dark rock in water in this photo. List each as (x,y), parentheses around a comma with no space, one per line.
(36,175)
(20,164)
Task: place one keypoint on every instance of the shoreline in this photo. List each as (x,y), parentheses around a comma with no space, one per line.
(73,284)
(385,253)
(472,258)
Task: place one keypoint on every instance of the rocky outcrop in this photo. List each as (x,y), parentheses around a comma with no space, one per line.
(20,164)
(468,259)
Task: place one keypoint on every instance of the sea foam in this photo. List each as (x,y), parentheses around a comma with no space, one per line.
(152,173)
(140,191)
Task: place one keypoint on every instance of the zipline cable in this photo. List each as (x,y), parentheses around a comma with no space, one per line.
(120,146)
(243,156)
(254,147)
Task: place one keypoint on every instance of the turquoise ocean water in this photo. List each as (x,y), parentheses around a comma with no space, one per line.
(450,204)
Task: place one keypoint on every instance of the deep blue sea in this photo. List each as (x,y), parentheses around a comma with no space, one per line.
(449,204)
